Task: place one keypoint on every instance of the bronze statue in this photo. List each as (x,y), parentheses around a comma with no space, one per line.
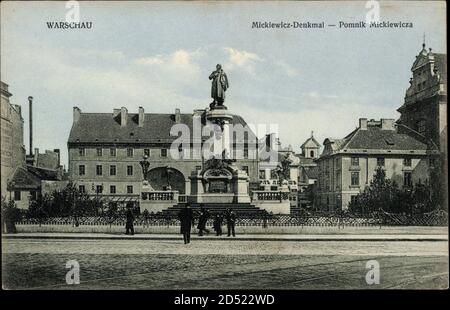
(218,87)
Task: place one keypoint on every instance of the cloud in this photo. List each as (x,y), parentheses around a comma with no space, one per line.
(241,59)
(179,64)
(286,68)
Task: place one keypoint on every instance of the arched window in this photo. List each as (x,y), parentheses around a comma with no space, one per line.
(311,153)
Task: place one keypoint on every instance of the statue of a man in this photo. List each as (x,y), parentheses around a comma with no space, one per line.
(219,86)
(145,165)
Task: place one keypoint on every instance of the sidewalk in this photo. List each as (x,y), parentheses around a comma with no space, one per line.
(245,237)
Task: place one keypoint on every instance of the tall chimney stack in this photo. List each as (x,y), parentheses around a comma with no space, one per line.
(30,101)
(141,117)
(123,117)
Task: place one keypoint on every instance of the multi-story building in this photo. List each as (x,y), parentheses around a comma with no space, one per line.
(105,150)
(346,166)
(12,147)
(425,106)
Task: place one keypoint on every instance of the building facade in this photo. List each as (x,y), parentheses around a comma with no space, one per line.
(105,150)
(425,106)
(347,166)
(12,146)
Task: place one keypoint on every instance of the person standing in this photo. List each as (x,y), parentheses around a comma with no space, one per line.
(129,227)
(231,221)
(185,215)
(218,224)
(204,214)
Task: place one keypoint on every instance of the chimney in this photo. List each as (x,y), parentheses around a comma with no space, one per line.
(36,157)
(58,152)
(141,117)
(30,101)
(123,116)
(387,124)
(76,114)
(177,116)
(363,123)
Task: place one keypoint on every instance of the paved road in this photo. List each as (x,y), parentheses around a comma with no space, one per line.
(209,264)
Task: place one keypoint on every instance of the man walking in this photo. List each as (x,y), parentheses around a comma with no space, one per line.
(204,214)
(185,217)
(231,221)
(129,227)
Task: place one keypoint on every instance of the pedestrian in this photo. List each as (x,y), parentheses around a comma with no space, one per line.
(185,216)
(231,221)
(129,227)
(218,224)
(204,214)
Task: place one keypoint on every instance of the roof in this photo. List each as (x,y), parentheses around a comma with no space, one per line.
(23,179)
(30,177)
(400,139)
(103,127)
(44,173)
(311,142)
(312,172)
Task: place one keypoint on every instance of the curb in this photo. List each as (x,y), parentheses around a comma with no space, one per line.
(46,237)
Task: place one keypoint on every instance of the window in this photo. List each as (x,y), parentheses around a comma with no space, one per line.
(82,189)
(262,174)
(245,153)
(245,168)
(33,195)
(99,170)
(353,198)
(407,162)
(407,179)
(99,189)
(81,152)
(112,152)
(99,152)
(112,189)
(81,170)
(422,126)
(147,152)
(112,170)
(355,179)
(355,161)
(130,189)
(17,195)
(273,174)
(129,152)
(380,161)
(311,154)
(338,178)
(129,170)
(163,152)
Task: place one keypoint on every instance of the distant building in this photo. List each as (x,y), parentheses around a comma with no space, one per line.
(105,150)
(29,182)
(12,147)
(307,170)
(346,166)
(47,160)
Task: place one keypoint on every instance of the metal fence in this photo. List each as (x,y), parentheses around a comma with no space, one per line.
(435,218)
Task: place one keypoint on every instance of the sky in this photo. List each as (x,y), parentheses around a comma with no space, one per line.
(159,56)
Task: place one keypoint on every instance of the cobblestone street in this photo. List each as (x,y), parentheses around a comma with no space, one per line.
(209,264)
